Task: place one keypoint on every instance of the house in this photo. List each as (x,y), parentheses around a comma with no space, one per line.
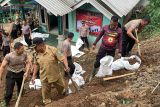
(68,14)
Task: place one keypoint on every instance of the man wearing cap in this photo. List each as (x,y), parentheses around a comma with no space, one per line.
(129,37)
(83,33)
(16,63)
(111,39)
(47,61)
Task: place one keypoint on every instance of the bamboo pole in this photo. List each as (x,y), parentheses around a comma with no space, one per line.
(139,51)
(120,76)
(155,87)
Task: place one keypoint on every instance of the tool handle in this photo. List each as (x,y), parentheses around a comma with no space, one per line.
(155,87)
(119,76)
(20,94)
(139,51)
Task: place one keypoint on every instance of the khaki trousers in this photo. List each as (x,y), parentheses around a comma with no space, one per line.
(46,88)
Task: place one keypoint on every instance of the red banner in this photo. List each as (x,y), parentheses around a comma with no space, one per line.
(92,19)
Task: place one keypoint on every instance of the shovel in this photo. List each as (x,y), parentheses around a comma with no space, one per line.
(138,46)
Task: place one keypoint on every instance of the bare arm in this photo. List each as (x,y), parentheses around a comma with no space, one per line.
(130,34)
(120,42)
(30,33)
(2,68)
(88,31)
(10,30)
(66,64)
(35,70)
(99,36)
(65,53)
(80,31)
(28,66)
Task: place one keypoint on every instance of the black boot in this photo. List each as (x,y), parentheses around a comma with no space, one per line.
(94,72)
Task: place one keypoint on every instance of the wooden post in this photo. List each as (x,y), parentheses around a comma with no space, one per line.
(60,25)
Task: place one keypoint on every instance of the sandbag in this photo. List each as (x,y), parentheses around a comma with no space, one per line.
(124,63)
(79,43)
(134,66)
(37,85)
(77,76)
(105,67)
(117,64)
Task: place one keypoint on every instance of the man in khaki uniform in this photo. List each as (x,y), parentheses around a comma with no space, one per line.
(129,38)
(47,61)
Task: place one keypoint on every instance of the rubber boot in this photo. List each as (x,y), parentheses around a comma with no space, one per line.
(94,71)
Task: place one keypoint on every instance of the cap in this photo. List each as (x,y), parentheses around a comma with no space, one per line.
(114,18)
(37,41)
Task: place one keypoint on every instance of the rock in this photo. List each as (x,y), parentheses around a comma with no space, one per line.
(126,82)
(102,105)
(149,70)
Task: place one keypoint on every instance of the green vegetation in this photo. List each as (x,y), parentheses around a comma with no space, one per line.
(152,10)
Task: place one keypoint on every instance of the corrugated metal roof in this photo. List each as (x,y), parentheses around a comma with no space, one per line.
(101,8)
(5,2)
(70,3)
(121,7)
(95,4)
(56,7)
(62,7)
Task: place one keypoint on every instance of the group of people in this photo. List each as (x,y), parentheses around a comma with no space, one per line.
(16,30)
(46,62)
(47,58)
(114,37)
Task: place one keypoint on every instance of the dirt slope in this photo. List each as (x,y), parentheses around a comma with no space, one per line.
(133,91)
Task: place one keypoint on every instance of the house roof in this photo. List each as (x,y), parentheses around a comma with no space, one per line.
(121,7)
(62,7)
(57,7)
(4,2)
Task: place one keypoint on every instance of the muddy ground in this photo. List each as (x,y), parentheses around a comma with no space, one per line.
(132,91)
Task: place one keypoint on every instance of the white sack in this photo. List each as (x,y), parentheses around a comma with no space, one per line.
(105,67)
(132,67)
(124,63)
(37,85)
(77,76)
(118,64)
(76,52)
(79,43)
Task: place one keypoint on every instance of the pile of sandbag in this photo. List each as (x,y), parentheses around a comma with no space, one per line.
(108,65)
(77,76)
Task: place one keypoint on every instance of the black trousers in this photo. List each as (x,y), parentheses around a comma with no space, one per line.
(27,39)
(70,65)
(101,53)
(85,41)
(14,34)
(127,43)
(6,50)
(11,79)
